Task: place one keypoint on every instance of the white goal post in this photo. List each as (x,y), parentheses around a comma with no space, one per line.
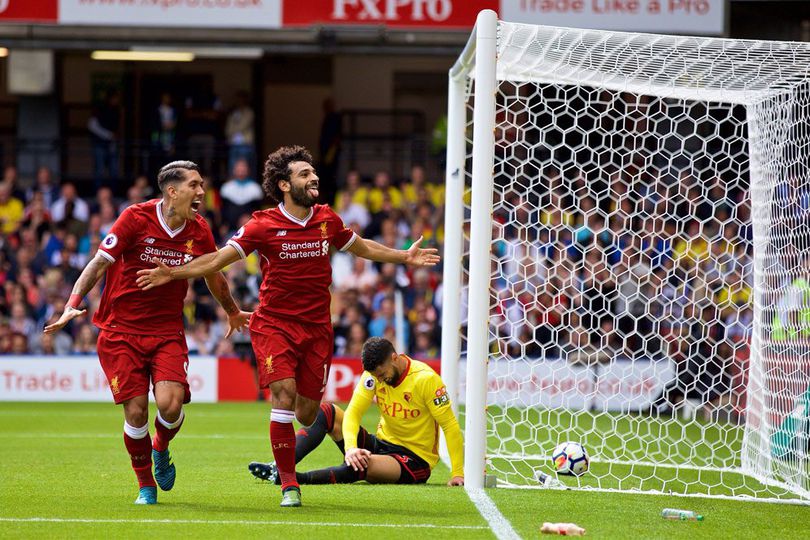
(627,259)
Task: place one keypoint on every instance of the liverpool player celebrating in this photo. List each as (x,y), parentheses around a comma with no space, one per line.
(412,400)
(141,337)
(291,331)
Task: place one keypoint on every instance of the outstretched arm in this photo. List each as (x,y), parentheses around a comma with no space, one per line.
(414,256)
(237,319)
(201,266)
(87,280)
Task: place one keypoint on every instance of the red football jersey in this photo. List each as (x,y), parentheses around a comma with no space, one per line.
(139,234)
(294,258)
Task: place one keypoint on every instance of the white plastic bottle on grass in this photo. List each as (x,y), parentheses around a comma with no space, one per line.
(680,515)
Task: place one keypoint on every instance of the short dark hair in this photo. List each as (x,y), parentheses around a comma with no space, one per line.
(375,352)
(174,172)
(277,168)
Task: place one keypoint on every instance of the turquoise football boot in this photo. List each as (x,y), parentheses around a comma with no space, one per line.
(147,495)
(165,472)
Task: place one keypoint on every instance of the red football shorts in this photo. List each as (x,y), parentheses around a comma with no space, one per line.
(129,361)
(293,350)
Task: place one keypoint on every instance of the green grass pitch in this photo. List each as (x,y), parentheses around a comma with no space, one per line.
(64,473)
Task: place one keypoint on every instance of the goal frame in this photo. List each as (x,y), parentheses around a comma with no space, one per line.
(478,61)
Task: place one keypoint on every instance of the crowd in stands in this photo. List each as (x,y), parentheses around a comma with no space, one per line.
(49,233)
(626,266)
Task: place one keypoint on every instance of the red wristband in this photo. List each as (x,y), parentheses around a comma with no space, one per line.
(74,301)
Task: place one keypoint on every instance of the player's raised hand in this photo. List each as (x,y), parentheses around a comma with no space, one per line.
(357,458)
(456,481)
(149,279)
(422,256)
(238,322)
(68,315)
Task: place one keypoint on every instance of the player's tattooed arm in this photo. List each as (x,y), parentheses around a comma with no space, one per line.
(87,280)
(237,319)
(413,256)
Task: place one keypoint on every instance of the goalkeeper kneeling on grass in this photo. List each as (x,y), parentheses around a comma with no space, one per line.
(412,400)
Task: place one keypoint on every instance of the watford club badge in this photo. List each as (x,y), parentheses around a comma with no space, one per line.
(268,364)
(323,230)
(407,396)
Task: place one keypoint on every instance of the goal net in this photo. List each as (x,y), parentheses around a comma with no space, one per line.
(631,215)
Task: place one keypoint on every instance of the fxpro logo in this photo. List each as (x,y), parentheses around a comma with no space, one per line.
(392,10)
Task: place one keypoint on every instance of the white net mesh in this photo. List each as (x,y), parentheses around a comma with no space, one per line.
(650,267)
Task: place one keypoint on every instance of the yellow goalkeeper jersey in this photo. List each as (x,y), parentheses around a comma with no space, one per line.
(411,412)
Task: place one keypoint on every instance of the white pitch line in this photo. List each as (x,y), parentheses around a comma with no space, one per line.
(243,522)
(489,511)
(498,524)
(214,436)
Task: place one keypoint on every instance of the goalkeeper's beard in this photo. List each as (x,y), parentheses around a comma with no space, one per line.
(300,197)
(394,377)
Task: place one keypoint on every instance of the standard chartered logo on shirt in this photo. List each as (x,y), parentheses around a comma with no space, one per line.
(303,250)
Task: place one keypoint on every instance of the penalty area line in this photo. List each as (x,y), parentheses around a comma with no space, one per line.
(242,522)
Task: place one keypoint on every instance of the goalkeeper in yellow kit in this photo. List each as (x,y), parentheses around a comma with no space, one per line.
(413,403)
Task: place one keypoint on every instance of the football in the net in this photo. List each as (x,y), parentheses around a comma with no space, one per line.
(570,458)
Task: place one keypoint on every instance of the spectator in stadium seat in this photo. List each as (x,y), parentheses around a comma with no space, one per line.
(382,187)
(69,199)
(416,182)
(5,337)
(20,320)
(19,343)
(200,340)
(134,196)
(351,212)
(45,186)
(163,133)
(59,343)
(239,133)
(107,216)
(424,348)
(384,319)
(12,210)
(354,344)
(85,342)
(353,185)
(104,196)
(11,178)
(37,217)
(432,221)
(241,195)
(104,126)
(363,276)
(92,235)
(142,183)
(28,281)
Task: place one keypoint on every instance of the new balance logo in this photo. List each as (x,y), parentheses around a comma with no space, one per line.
(281,233)
(150,240)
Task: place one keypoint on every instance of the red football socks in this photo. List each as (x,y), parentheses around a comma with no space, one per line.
(282,439)
(139,446)
(165,431)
